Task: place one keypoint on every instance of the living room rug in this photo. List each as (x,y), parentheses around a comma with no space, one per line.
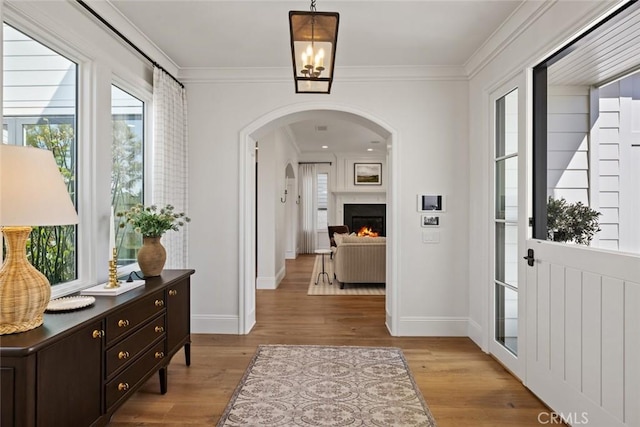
(327,386)
(324,288)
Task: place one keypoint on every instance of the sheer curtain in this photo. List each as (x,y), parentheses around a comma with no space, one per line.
(170,159)
(308,214)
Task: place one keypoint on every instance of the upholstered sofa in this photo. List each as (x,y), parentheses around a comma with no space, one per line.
(359,259)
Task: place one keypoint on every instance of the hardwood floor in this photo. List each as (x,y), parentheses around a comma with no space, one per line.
(462,385)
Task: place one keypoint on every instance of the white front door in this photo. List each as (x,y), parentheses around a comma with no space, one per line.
(583,302)
(583,339)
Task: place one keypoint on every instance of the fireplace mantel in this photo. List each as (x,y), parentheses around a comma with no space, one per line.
(356,192)
(347,196)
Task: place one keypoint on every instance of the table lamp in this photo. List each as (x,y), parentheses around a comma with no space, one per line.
(32,193)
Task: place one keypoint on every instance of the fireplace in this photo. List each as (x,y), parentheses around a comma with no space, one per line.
(372,216)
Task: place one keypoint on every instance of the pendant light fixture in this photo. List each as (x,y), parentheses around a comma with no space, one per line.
(313,49)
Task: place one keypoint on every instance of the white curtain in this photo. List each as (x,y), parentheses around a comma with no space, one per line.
(308,211)
(170,159)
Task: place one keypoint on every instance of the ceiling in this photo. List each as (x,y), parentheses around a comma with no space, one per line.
(374,33)
(606,54)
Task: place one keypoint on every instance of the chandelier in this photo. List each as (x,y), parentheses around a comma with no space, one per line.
(313,49)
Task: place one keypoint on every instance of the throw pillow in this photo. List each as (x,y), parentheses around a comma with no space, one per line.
(337,237)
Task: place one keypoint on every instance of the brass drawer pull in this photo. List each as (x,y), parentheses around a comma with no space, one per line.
(159,329)
(159,303)
(123,386)
(173,292)
(123,323)
(159,354)
(97,333)
(123,355)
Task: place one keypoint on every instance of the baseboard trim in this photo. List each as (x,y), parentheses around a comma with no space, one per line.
(411,326)
(271,282)
(215,324)
(280,275)
(474,331)
(266,283)
(407,327)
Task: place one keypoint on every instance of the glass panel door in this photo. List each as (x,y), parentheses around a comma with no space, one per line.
(506,222)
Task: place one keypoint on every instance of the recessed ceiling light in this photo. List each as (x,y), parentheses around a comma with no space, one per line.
(369,149)
(325,146)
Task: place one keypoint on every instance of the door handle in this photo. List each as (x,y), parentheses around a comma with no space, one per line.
(530,258)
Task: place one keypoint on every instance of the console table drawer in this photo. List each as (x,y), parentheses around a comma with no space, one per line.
(129,348)
(127,381)
(128,319)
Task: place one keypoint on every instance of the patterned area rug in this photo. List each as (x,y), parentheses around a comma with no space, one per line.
(326,387)
(324,288)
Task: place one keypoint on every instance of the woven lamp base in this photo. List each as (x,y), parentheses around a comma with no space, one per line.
(24,291)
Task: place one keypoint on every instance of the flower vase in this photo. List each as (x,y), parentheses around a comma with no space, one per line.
(151,256)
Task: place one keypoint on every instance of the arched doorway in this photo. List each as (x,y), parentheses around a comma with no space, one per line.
(247,231)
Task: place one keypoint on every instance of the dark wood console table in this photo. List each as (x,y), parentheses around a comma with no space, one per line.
(80,366)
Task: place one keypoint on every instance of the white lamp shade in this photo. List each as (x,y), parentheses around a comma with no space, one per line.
(32,190)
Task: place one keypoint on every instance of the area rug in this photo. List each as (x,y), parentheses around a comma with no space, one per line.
(326,387)
(324,288)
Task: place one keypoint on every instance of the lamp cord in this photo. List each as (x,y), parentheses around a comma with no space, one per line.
(130,278)
(313,5)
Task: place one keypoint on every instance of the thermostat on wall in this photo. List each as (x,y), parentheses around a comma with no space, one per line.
(430,203)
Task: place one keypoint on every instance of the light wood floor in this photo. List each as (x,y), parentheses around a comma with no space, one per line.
(462,385)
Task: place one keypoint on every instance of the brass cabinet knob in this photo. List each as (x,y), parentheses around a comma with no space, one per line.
(159,329)
(123,323)
(159,303)
(123,355)
(159,354)
(173,292)
(97,333)
(123,386)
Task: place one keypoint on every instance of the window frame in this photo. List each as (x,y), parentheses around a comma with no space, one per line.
(94,75)
(57,45)
(321,227)
(147,148)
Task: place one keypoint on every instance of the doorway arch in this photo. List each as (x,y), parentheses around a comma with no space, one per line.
(246,204)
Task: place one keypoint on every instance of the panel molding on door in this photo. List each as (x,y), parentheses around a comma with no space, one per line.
(583,345)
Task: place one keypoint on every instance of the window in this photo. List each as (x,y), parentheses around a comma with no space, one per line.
(323,203)
(506,221)
(39,110)
(127,176)
(587,138)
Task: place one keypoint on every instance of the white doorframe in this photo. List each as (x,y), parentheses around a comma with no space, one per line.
(246,201)
(516,364)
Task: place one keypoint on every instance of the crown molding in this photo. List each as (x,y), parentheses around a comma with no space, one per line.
(520,19)
(350,74)
(111,14)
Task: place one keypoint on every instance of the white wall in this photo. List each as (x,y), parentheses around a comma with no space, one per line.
(275,219)
(429,117)
(267,203)
(519,46)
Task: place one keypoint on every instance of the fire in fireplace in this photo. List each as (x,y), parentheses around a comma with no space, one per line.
(366,231)
(370,216)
